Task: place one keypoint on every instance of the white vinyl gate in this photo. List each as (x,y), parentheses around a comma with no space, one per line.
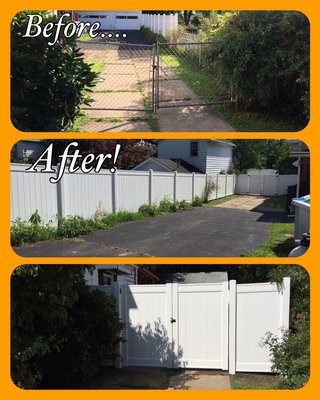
(210,326)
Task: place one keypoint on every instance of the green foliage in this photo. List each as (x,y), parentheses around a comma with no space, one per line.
(197,201)
(151,36)
(267,153)
(48,83)
(23,233)
(35,218)
(266,56)
(149,209)
(210,186)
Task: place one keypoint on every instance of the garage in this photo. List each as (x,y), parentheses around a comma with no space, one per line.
(127,21)
(112,20)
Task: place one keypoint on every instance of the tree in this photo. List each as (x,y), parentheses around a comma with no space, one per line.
(58,339)
(265,54)
(267,153)
(48,83)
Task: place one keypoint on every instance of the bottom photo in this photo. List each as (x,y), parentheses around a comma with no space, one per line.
(184,327)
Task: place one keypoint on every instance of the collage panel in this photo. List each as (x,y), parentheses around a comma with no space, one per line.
(151,71)
(160,198)
(178,327)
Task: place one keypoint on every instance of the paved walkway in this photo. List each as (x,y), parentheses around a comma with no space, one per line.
(163,378)
(200,232)
(124,90)
(249,203)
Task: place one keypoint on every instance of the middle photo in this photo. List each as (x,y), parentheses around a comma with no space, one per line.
(160,198)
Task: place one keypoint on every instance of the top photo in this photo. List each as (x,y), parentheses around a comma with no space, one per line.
(160,71)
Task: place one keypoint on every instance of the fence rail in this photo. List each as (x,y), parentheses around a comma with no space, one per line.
(90,194)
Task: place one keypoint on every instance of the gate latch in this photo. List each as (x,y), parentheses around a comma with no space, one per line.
(172,320)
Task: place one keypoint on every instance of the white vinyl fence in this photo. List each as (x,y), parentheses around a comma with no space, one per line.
(90,194)
(264,184)
(160,23)
(212,325)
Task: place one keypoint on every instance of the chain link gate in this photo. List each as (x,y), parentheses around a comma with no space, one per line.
(187,76)
(140,77)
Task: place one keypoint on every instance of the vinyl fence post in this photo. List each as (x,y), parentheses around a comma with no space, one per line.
(232,326)
(217,185)
(175,186)
(118,297)
(192,189)
(150,186)
(114,189)
(61,195)
(226,185)
(285,303)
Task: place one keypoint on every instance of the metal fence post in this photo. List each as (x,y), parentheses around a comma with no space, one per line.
(114,189)
(157,77)
(175,186)
(61,195)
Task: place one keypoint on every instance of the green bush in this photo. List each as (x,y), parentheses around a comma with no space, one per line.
(148,209)
(61,333)
(48,84)
(266,56)
(23,233)
(151,36)
(197,201)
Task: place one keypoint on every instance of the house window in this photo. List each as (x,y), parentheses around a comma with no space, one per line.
(194,149)
(106,278)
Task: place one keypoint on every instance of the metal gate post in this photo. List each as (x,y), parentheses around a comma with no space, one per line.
(157,78)
(154,67)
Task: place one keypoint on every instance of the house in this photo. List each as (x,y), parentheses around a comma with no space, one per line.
(27,149)
(301,151)
(111,20)
(107,274)
(205,156)
(193,277)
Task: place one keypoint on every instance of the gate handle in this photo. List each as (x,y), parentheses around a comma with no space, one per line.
(172,320)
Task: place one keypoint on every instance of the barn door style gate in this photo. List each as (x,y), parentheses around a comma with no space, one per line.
(211,326)
(177,326)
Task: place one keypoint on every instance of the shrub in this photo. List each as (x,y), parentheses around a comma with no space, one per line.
(210,186)
(151,36)
(23,233)
(61,333)
(266,56)
(148,209)
(74,226)
(48,83)
(197,201)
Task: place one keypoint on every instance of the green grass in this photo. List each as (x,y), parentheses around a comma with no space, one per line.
(97,66)
(109,119)
(213,203)
(85,37)
(205,84)
(279,243)
(80,121)
(252,381)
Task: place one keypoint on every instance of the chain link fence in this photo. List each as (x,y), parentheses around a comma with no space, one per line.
(141,77)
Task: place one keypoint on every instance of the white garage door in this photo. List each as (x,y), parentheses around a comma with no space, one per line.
(127,21)
(105,19)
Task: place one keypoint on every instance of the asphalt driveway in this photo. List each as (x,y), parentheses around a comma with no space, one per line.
(200,232)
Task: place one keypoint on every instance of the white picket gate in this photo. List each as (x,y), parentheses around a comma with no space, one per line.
(211,326)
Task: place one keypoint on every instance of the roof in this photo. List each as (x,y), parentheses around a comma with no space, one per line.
(223,141)
(171,164)
(193,277)
(299,148)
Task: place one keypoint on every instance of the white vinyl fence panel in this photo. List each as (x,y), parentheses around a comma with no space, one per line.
(215,325)
(264,184)
(160,23)
(93,194)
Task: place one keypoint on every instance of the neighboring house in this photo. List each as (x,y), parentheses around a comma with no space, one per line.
(27,148)
(302,153)
(111,20)
(107,274)
(166,165)
(205,156)
(192,277)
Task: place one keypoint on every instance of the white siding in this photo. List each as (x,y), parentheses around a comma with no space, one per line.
(219,157)
(129,279)
(181,149)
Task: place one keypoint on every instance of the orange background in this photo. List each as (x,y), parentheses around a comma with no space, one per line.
(9,135)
